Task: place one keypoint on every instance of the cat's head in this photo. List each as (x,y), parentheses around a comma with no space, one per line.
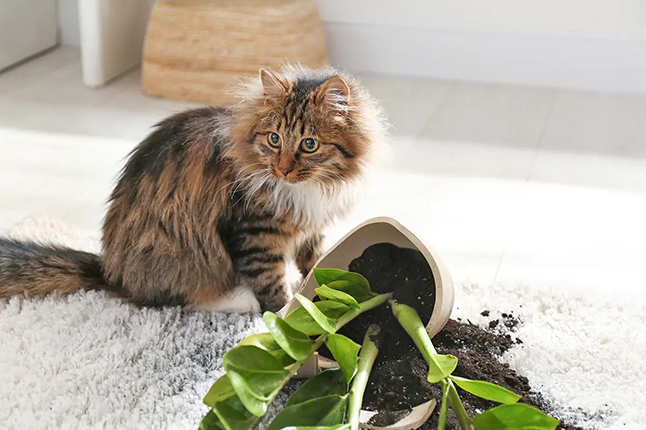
(305,126)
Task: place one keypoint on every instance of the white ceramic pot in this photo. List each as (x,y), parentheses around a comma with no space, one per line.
(351,246)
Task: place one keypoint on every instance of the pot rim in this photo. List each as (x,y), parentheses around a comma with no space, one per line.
(444,293)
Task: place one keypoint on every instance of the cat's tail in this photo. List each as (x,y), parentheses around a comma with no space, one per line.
(34,269)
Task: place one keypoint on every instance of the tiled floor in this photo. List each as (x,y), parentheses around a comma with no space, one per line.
(508,183)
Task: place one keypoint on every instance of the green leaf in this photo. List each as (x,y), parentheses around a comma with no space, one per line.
(345,352)
(359,292)
(302,321)
(444,408)
(266,341)
(327,324)
(322,411)
(440,367)
(220,390)
(486,390)
(261,369)
(294,342)
(231,418)
(327,293)
(254,401)
(351,283)
(326,383)
(517,416)
(211,422)
(324,276)
(338,427)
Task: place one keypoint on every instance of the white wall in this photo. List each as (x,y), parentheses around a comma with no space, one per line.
(590,44)
(584,18)
(68,22)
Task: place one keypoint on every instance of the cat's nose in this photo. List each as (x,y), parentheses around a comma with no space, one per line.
(286,171)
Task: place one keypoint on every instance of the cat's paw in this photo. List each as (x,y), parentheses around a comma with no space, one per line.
(240,300)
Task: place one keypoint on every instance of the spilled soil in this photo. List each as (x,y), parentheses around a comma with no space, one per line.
(398,380)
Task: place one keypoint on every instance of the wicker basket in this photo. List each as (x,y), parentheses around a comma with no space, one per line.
(197,49)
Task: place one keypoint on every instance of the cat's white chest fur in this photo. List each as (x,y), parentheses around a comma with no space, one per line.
(313,205)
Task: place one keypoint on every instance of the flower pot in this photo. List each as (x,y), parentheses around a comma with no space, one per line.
(351,246)
(418,416)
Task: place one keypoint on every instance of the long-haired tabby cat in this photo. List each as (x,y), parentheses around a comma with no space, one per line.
(216,198)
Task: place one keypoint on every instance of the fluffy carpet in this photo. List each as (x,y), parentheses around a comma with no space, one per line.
(89,361)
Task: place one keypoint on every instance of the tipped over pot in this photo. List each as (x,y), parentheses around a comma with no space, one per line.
(389,256)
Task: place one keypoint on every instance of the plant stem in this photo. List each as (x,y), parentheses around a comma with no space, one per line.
(441,421)
(456,405)
(369,351)
(363,307)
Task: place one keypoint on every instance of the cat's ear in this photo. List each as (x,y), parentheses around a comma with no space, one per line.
(271,85)
(334,91)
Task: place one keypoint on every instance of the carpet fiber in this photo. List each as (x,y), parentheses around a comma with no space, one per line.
(89,361)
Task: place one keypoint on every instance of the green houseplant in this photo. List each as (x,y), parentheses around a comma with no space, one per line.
(262,364)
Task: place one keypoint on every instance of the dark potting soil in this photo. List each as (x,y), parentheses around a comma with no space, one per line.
(405,272)
(398,379)
(401,384)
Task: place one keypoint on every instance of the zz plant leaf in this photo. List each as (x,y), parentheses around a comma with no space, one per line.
(232,419)
(517,416)
(357,291)
(486,390)
(261,369)
(321,411)
(266,341)
(327,324)
(328,382)
(254,401)
(345,352)
(211,422)
(439,366)
(302,320)
(327,293)
(221,390)
(295,343)
(350,283)
(324,276)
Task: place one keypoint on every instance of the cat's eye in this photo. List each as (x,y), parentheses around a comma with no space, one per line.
(274,140)
(309,145)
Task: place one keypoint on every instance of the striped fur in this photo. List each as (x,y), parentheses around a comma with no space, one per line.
(202,205)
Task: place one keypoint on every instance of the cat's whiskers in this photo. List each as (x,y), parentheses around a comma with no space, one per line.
(259,184)
(253,184)
(328,188)
(246,179)
(239,179)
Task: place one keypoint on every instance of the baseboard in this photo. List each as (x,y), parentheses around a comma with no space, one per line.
(597,64)
(29,58)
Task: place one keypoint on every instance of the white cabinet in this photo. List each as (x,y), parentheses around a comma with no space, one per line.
(27,27)
(112,37)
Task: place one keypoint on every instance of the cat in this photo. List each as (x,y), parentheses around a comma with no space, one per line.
(221,198)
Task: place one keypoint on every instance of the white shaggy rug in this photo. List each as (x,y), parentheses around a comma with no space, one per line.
(87,361)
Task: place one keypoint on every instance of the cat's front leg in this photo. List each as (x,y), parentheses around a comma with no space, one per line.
(308,253)
(263,270)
